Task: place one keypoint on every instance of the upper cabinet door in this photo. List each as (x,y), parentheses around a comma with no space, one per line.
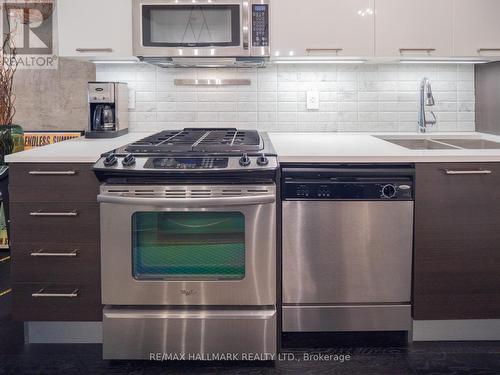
(322,28)
(95,28)
(414,28)
(476,28)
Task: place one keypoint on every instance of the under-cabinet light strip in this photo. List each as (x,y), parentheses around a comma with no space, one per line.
(116,61)
(416,61)
(319,61)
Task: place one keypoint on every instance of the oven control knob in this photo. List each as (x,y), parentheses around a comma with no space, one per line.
(262,160)
(389,191)
(245,160)
(128,161)
(110,160)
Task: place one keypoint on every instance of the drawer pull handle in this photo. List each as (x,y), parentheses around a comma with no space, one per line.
(54,214)
(476,172)
(309,50)
(428,50)
(83,50)
(488,50)
(5,259)
(42,294)
(40,253)
(52,173)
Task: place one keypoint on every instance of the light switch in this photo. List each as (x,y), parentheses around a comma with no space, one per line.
(312,100)
(131,98)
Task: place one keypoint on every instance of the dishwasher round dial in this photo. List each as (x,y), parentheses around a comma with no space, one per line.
(389,191)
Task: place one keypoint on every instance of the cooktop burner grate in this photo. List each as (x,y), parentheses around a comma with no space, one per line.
(199,140)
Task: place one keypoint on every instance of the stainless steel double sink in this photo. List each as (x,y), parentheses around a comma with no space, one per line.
(439,143)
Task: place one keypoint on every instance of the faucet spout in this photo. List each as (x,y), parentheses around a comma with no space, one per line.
(426,100)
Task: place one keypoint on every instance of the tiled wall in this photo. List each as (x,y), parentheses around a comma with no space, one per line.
(364,97)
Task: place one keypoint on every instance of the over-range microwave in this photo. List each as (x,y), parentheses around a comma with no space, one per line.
(194,29)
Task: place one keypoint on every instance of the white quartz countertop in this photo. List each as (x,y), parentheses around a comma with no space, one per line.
(291,148)
(78,150)
(368,148)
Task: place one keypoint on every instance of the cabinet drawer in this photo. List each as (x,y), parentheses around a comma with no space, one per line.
(70,222)
(63,263)
(56,302)
(52,183)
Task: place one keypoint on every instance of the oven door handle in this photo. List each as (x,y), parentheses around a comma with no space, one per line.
(251,200)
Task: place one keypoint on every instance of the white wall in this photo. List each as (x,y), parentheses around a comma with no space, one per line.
(364,97)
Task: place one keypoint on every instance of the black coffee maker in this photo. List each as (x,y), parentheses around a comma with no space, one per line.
(108,116)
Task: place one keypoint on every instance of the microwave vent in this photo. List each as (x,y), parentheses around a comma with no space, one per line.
(205,62)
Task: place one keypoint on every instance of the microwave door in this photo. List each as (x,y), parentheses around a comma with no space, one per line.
(194,30)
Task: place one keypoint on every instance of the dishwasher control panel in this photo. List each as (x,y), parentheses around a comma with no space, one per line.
(338,183)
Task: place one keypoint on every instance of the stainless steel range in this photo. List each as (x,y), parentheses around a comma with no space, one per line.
(188,244)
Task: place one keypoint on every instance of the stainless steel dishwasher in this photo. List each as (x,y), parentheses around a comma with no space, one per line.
(347,247)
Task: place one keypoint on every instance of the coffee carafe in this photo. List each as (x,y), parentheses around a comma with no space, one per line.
(108,102)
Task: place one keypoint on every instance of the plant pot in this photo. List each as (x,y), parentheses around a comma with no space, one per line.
(11,140)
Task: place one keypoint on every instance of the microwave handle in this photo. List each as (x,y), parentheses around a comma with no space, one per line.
(246,25)
(190,202)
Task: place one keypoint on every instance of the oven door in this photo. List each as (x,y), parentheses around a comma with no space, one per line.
(186,28)
(188,245)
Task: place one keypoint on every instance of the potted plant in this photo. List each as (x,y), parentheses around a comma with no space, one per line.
(11,135)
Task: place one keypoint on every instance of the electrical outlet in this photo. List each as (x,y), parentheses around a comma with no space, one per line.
(312,100)
(131,98)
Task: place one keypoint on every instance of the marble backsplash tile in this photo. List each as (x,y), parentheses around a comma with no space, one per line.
(357,97)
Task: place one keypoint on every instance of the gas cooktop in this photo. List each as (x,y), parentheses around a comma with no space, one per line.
(198,141)
(191,151)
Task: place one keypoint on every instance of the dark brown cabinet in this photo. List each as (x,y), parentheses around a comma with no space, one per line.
(68,222)
(457,241)
(33,182)
(56,302)
(55,242)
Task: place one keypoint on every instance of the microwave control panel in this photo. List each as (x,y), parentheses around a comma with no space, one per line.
(260,25)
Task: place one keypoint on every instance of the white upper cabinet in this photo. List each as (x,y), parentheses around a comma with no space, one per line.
(414,28)
(95,28)
(477,28)
(324,28)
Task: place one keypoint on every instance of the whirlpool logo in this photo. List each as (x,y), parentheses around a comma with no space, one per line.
(188,292)
(28,34)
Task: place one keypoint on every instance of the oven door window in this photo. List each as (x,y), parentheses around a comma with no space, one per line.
(191,25)
(188,245)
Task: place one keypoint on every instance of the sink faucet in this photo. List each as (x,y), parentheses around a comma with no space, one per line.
(426,99)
